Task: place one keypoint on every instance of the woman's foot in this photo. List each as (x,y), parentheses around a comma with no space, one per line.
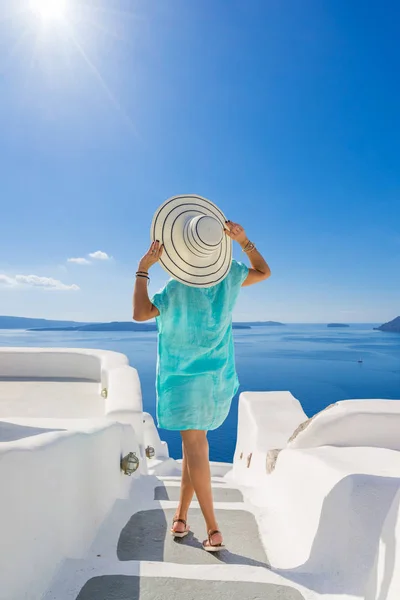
(179,528)
(214,543)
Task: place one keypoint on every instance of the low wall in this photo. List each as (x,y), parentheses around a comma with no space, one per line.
(266,421)
(321,515)
(111,370)
(350,423)
(329,505)
(59,488)
(93,365)
(326,507)
(271,421)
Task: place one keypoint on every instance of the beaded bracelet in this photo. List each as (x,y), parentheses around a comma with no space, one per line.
(249,247)
(143,276)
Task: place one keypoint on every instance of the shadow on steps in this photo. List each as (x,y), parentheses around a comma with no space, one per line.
(146,537)
(125,587)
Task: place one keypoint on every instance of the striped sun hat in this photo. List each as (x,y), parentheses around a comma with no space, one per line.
(197,252)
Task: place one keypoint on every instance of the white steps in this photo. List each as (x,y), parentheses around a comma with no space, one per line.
(134,557)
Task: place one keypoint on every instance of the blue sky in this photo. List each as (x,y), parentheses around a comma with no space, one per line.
(285,113)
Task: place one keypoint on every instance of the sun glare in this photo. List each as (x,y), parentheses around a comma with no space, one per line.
(62,32)
(49,9)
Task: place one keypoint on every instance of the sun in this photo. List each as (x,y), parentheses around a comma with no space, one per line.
(49,9)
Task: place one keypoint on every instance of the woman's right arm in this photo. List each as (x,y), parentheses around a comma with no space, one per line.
(143,309)
(259,268)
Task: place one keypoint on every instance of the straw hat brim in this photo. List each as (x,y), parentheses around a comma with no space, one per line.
(167,227)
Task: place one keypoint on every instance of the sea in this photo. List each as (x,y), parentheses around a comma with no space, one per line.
(317,364)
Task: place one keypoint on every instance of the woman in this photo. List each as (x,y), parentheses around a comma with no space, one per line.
(196,376)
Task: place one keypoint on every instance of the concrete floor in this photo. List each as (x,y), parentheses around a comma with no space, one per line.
(220,494)
(50,398)
(122,587)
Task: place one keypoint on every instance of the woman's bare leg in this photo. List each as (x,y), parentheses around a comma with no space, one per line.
(195,445)
(186,495)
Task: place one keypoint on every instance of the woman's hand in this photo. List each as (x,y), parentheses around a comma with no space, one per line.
(235,232)
(259,268)
(151,257)
(143,309)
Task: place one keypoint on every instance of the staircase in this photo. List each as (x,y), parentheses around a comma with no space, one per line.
(134,557)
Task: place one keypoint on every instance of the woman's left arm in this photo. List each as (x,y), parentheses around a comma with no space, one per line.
(259,267)
(143,309)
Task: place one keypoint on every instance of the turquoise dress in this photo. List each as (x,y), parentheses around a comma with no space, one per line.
(196,375)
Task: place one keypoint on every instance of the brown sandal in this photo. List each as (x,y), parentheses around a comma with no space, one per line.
(209,546)
(179,534)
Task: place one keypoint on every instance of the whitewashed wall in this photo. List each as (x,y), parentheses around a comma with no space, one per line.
(325,506)
(271,421)
(93,365)
(151,437)
(266,421)
(372,423)
(56,489)
(110,369)
(325,509)
(384,580)
(124,400)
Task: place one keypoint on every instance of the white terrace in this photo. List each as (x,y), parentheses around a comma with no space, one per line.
(310,508)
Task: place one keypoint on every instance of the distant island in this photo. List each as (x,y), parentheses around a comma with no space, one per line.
(115,326)
(338,325)
(260,323)
(391,326)
(27,322)
(32,324)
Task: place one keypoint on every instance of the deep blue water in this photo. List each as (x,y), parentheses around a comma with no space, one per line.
(318,365)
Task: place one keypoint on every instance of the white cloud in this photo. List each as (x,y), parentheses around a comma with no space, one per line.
(79,261)
(44,282)
(5,280)
(99,255)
